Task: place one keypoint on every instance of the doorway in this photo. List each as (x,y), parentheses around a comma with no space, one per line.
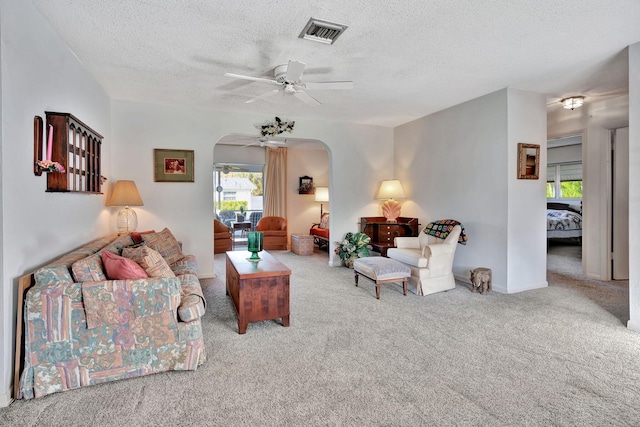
(564,192)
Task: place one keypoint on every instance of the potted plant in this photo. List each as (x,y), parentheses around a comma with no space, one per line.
(353,246)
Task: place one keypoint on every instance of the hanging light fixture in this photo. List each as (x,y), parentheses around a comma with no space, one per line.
(572,102)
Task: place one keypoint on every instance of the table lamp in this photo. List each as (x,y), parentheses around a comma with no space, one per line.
(322,195)
(389,190)
(125,193)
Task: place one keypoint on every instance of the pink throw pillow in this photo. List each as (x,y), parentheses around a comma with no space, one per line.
(120,268)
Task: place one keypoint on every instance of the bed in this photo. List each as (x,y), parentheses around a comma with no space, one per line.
(564,221)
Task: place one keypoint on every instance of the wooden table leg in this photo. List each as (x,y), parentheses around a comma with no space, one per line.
(377,289)
(285,320)
(404,286)
(355,276)
(242,327)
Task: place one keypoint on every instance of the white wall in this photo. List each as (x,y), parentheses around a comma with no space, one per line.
(634,185)
(40,74)
(527,229)
(302,209)
(360,156)
(460,163)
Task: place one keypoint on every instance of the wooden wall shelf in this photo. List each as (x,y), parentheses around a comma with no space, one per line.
(77,148)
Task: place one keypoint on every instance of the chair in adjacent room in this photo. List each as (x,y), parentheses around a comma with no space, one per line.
(275,232)
(221,238)
(254,217)
(320,232)
(226,217)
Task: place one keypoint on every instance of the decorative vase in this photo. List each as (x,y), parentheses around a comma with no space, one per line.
(349,261)
(254,244)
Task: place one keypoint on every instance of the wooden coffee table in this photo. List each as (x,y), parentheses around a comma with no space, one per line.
(260,291)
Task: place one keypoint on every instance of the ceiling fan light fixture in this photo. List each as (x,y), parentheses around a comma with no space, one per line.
(572,102)
(322,31)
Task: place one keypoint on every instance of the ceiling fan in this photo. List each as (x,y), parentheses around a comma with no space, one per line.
(266,142)
(289,77)
(230,168)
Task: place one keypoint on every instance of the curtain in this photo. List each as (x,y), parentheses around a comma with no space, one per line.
(275,182)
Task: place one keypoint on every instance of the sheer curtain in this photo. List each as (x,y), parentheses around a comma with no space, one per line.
(275,182)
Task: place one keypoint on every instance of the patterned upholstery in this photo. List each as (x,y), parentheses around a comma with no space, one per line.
(80,334)
(89,268)
(165,244)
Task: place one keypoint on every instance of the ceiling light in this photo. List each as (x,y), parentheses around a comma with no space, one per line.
(572,102)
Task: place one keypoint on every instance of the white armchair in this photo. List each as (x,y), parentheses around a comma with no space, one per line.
(430,259)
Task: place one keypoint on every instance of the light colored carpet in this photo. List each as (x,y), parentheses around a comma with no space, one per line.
(555,356)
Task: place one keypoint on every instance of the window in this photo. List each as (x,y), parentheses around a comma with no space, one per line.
(238,187)
(564,181)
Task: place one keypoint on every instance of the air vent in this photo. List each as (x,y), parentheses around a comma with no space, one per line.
(322,31)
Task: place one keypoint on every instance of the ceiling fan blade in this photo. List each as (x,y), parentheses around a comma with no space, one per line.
(264,95)
(253,79)
(276,143)
(307,99)
(329,85)
(294,71)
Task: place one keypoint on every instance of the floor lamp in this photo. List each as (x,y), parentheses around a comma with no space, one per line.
(322,195)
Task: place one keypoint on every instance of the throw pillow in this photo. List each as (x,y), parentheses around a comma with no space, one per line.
(88,269)
(165,244)
(137,235)
(120,268)
(151,261)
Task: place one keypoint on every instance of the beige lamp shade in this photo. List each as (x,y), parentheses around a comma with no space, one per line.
(125,193)
(322,194)
(391,189)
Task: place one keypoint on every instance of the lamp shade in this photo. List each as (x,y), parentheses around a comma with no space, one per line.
(391,189)
(125,193)
(322,194)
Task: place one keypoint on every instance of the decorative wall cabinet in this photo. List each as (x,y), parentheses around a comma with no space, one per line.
(77,148)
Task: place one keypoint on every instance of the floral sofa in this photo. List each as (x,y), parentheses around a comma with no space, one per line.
(82,328)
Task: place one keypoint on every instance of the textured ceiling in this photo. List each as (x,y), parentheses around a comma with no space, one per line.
(407,58)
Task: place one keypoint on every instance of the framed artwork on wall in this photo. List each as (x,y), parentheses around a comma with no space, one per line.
(173,165)
(528,161)
(306,185)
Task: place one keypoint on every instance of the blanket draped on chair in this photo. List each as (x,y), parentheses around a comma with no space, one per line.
(443,227)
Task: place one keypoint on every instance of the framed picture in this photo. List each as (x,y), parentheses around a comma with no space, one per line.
(172,165)
(306,185)
(528,161)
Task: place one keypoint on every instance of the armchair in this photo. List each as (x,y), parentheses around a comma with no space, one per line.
(226,217)
(221,237)
(320,232)
(254,217)
(275,232)
(430,259)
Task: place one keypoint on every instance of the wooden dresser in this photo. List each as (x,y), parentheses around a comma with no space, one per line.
(382,232)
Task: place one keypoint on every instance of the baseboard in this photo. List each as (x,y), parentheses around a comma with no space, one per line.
(531,287)
(5,398)
(634,326)
(207,276)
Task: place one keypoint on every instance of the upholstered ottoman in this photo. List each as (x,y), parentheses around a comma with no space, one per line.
(382,270)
